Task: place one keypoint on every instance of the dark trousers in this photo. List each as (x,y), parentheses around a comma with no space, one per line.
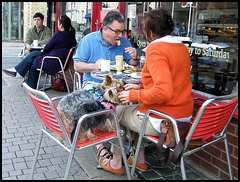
(28,65)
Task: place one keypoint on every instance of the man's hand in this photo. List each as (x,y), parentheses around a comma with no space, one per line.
(97,64)
(132,52)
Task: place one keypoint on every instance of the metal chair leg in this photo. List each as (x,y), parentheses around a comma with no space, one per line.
(125,161)
(69,164)
(36,154)
(39,78)
(44,83)
(183,171)
(228,156)
(64,76)
(70,74)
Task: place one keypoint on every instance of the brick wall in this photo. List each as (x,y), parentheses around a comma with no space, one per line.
(213,158)
(29,9)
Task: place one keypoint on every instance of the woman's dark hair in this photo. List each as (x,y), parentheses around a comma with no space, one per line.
(159,22)
(112,15)
(66,22)
(40,15)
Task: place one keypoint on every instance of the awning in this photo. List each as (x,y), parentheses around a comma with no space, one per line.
(88,16)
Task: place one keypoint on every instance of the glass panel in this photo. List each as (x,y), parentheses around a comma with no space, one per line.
(14,20)
(5,10)
(214,53)
(180,18)
(80,15)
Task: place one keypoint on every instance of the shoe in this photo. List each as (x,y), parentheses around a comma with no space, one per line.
(105,164)
(98,151)
(141,167)
(10,73)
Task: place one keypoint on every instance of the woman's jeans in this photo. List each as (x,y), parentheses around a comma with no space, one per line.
(28,65)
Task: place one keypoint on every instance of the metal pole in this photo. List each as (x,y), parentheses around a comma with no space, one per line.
(172,9)
(9,21)
(189,18)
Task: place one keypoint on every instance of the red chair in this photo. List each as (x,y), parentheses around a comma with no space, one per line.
(52,122)
(209,125)
(64,68)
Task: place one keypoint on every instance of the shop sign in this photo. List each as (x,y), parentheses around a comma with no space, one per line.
(141,43)
(132,11)
(208,52)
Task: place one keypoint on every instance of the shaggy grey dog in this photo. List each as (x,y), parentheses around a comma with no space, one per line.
(78,103)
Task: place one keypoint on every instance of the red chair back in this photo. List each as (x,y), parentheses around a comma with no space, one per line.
(46,114)
(213,120)
(49,120)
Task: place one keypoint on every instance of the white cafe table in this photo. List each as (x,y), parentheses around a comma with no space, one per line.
(37,47)
(125,77)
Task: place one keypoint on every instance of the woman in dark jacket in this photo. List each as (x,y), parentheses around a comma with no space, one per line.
(59,46)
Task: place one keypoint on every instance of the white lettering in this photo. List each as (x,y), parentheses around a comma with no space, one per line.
(190,50)
(141,44)
(208,52)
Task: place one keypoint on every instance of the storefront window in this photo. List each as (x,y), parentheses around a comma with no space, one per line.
(210,32)
(11,21)
(214,51)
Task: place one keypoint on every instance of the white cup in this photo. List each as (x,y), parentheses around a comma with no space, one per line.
(35,43)
(104,65)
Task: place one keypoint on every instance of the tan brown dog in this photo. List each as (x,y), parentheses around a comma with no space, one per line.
(112,87)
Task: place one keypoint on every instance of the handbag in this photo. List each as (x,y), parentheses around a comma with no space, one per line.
(167,137)
(59,83)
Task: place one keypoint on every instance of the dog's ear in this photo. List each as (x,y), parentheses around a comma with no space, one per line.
(107,81)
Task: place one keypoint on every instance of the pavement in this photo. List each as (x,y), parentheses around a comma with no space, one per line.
(20,129)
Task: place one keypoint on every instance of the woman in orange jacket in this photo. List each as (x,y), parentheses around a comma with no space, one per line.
(166,86)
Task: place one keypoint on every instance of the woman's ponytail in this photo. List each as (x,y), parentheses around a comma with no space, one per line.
(72,30)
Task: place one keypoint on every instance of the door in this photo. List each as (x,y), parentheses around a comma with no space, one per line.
(100,9)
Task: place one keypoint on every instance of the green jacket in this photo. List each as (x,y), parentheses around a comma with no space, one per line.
(43,38)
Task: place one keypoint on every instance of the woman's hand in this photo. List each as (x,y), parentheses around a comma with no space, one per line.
(124,97)
(131,86)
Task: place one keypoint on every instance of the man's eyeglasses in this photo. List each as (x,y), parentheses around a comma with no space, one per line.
(117,32)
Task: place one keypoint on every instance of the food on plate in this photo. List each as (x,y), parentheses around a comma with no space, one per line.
(136,69)
(139,74)
(136,74)
(127,67)
(118,43)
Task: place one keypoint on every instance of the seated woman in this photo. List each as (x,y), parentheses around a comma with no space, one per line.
(59,46)
(166,87)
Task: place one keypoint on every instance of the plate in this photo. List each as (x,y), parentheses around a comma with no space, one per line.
(101,74)
(125,67)
(127,71)
(136,75)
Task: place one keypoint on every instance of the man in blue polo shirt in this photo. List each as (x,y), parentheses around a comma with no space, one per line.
(102,44)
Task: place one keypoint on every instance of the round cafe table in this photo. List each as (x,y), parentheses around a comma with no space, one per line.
(36,47)
(125,77)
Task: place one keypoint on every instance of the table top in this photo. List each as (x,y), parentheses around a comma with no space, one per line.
(125,77)
(36,47)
